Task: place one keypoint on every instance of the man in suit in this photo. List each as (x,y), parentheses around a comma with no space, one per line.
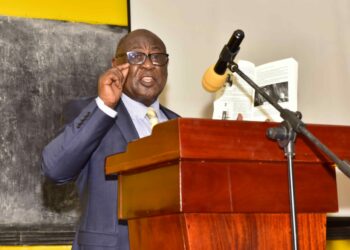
(104,127)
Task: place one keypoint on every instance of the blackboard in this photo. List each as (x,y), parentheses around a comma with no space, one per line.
(43,65)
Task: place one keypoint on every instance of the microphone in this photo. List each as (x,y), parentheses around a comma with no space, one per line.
(215,77)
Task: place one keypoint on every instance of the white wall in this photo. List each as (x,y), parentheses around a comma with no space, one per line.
(314,32)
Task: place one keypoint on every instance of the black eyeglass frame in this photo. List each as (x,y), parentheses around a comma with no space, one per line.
(150,56)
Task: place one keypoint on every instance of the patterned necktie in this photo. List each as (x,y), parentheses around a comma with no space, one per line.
(152,116)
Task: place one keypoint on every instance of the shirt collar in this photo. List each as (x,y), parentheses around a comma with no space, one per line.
(137,109)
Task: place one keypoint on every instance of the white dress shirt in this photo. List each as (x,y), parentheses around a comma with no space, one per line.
(137,112)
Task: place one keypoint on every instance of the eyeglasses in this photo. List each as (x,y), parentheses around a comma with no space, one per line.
(137,58)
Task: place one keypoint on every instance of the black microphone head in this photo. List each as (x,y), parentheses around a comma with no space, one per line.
(235,40)
(214,78)
(229,52)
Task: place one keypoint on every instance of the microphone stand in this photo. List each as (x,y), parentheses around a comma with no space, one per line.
(285,135)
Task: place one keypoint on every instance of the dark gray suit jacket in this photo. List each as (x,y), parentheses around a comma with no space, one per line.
(78,153)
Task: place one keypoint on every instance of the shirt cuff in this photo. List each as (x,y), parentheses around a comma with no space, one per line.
(107,110)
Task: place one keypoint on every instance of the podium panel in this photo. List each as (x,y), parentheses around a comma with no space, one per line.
(193,231)
(206,184)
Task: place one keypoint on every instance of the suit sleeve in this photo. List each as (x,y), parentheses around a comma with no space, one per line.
(65,156)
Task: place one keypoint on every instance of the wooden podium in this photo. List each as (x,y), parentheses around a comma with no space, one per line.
(208,184)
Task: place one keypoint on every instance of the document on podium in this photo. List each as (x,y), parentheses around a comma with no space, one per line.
(279,79)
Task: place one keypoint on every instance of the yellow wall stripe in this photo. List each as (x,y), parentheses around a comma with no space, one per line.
(113,12)
(338,244)
(35,247)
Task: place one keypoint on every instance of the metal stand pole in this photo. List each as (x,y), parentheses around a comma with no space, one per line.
(285,136)
(289,152)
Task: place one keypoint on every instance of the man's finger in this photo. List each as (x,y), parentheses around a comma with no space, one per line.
(124,68)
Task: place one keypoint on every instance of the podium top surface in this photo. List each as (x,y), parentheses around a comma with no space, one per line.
(220,140)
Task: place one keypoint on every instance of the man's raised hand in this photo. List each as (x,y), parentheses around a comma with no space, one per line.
(110,84)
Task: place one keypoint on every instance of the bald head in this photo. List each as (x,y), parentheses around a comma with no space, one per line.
(127,43)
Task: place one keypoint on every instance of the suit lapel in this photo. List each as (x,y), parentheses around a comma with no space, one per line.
(169,114)
(125,123)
